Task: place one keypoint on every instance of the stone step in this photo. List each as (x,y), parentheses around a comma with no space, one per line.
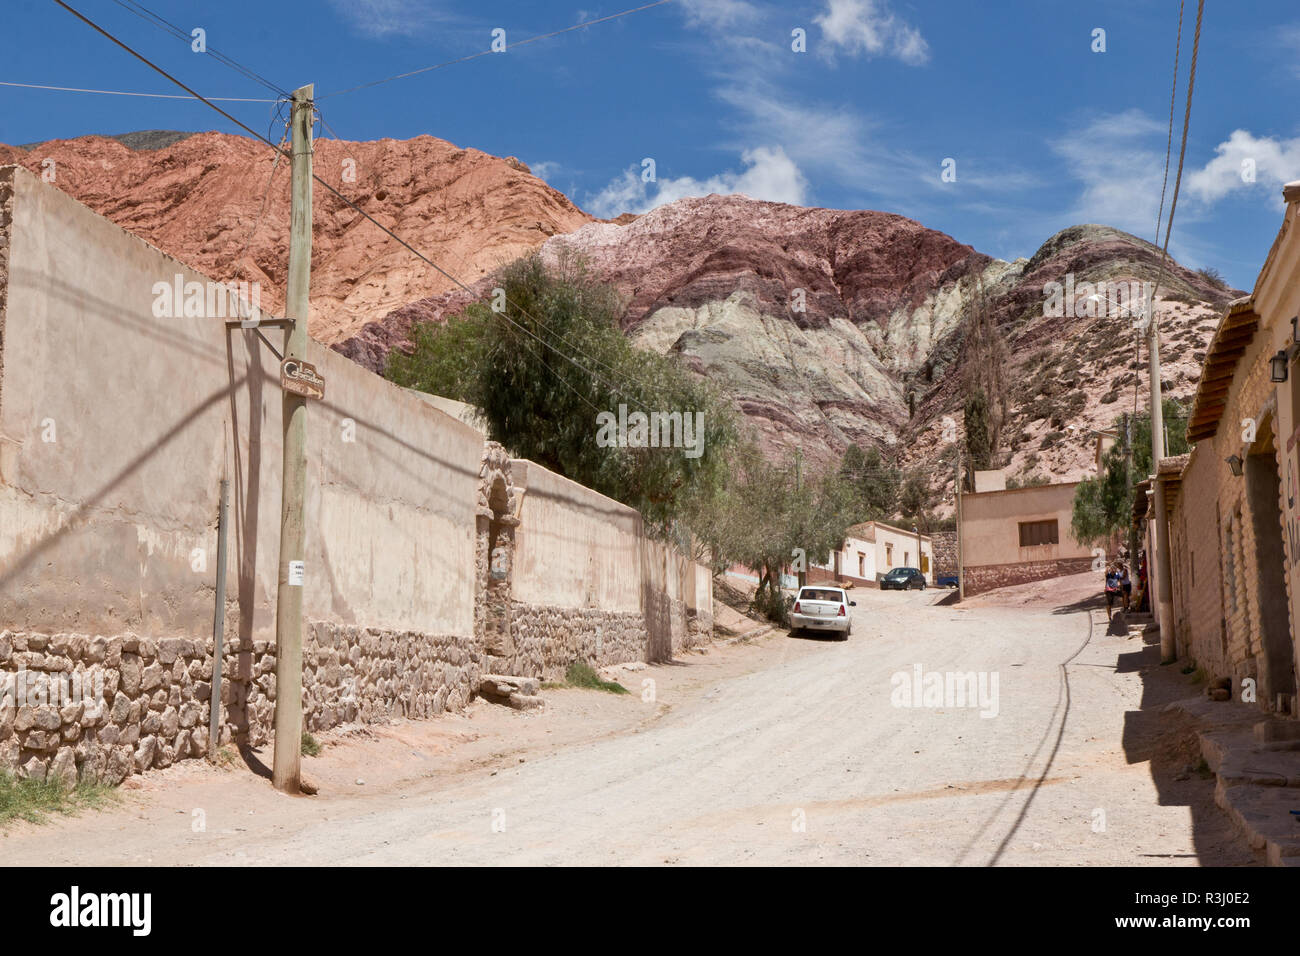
(504,685)
(1264,815)
(525,701)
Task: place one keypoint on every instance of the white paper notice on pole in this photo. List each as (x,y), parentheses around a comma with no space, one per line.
(297,570)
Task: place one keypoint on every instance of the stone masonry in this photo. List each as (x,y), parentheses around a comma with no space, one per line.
(982,578)
(76,706)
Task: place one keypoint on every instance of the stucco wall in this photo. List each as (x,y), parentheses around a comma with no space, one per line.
(990,525)
(877,544)
(118,427)
(896,548)
(574,547)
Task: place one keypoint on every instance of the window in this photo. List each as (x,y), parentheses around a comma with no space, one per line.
(889,555)
(1034,533)
(862,565)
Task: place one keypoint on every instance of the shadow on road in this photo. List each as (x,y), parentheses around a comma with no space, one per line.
(1167,742)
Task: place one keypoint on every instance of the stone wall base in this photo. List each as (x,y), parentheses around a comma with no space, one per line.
(83,707)
(546,640)
(89,707)
(980,578)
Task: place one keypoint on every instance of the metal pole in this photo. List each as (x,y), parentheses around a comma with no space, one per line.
(219,620)
(286,773)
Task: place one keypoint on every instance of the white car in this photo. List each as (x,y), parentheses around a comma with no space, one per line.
(822,609)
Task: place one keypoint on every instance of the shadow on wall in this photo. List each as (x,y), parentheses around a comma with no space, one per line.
(658,624)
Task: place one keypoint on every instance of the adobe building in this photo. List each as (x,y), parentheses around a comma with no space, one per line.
(872,549)
(1017,535)
(1232,506)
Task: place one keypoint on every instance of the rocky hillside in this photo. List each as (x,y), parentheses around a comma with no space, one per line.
(830,327)
(199,198)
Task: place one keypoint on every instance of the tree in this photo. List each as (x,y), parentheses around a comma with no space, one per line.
(1103,505)
(976,419)
(768,517)
(983,373)
(872,481)
(550,365)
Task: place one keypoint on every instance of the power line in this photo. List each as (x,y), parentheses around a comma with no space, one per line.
(156,96)
(1169,142)
(154,66)
(475,56)
(421,256)
(144,13)
(1182,150)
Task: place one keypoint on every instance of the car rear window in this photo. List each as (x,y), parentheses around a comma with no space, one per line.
(820,594)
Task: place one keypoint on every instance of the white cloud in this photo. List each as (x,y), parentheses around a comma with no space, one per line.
(1269,162)
(719,13)
(386,18)
(1119,159)
(769,174)
(545,170)
(866,26)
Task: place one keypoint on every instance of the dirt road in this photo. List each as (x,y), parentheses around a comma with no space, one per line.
(785,751)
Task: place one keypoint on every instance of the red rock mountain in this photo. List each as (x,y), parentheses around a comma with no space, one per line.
(199,198)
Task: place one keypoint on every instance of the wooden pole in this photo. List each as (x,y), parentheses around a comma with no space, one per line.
(286,774)
(219,621)
(961,563)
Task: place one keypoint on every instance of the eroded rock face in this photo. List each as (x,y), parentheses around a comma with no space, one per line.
(199,198)
(829,327)
(810,318)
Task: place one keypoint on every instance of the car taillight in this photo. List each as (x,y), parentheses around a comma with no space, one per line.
(841,614)
(796,607)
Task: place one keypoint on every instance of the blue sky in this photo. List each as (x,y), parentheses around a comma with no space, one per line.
(1044,131)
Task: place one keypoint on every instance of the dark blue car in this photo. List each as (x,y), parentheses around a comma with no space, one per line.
(903,579)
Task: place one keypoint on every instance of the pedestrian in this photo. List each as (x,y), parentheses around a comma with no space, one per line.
(1112,588)
(1126,585)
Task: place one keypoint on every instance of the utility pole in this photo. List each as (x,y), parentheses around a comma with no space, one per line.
(961,564)
(287,771)
(1162,577)
(802,576)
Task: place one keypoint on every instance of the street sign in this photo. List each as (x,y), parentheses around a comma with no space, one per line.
(301,378)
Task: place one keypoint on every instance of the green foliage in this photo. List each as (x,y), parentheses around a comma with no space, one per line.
(310,746)
(770,513)
(978,444)
(1103,505)
(583,675)
(913,497)
(35,800)
(871,480)
(512,365)
(1213,277)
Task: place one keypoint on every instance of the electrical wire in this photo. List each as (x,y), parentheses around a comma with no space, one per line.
(144,13)
(1173,98)
(419,255)
(156,96)
(475,56)
(1182,154)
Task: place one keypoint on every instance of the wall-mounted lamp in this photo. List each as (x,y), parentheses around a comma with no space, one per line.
(1279,364)
(1234,462)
